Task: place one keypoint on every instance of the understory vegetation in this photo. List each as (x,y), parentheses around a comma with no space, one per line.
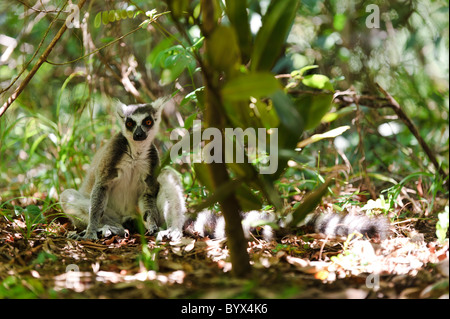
(361,113)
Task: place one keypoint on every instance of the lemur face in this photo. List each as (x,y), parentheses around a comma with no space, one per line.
(139,125)
(140,121)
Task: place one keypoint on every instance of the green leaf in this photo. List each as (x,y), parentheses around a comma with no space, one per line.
(178,7)
(256,85)
(192,96)
(247,199)
(105,20)
(223,49)
(238,16)
(289,130)
(36,143)
(318,81)
(310,202)
(266,185)
(222,192)
(174,65)
(111,16)
(303,70)
(442,225)
(267,114)
(269,41)
(189,121)
(313,107)
(317,137)
(202,173)
(339,21)
(35,214)
(288,115)
(98,20)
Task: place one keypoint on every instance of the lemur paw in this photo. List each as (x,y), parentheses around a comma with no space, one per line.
(109,230)
(84,235)
(151,228)
(172,234)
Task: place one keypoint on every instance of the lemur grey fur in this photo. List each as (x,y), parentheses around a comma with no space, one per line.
(122,177)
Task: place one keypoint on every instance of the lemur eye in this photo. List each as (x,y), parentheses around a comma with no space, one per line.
(129,124)
(148,122)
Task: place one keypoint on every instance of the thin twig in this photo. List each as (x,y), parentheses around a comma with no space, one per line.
(413,129)
(35,52)
(36,67)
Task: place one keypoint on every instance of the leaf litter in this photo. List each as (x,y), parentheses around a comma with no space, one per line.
(46,264)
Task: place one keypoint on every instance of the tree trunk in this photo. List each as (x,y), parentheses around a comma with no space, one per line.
(237,242)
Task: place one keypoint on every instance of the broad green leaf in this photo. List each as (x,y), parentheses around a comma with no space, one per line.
(222,192)
(242,170)
(190,120)
(237,13)
(247,199)
(178,7)
(174,65)
(312,108)
(289,130)
(191,97)
(269,41)
(34,214)
(310,202)
(267,113)
(202,173)
(318,81)
(266,185)
(287,113)
(256,85)
(223,49)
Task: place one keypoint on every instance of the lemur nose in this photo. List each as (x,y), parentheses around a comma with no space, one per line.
(139,134)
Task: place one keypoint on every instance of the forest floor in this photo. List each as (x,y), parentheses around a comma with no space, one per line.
(43,263)
(39,261)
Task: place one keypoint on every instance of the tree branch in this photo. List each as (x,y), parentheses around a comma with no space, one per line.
(36,67)
(413,129)
(349,97)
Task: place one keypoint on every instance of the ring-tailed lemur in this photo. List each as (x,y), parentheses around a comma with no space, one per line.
(122,177)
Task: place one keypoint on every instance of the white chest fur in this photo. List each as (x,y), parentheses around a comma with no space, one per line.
(129,185)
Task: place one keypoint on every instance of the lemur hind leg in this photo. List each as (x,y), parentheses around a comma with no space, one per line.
(76,206)
(171,204)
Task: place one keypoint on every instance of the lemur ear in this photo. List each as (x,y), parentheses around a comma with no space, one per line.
(158,104)
(120,108)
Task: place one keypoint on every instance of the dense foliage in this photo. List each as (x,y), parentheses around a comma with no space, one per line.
(315,70)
